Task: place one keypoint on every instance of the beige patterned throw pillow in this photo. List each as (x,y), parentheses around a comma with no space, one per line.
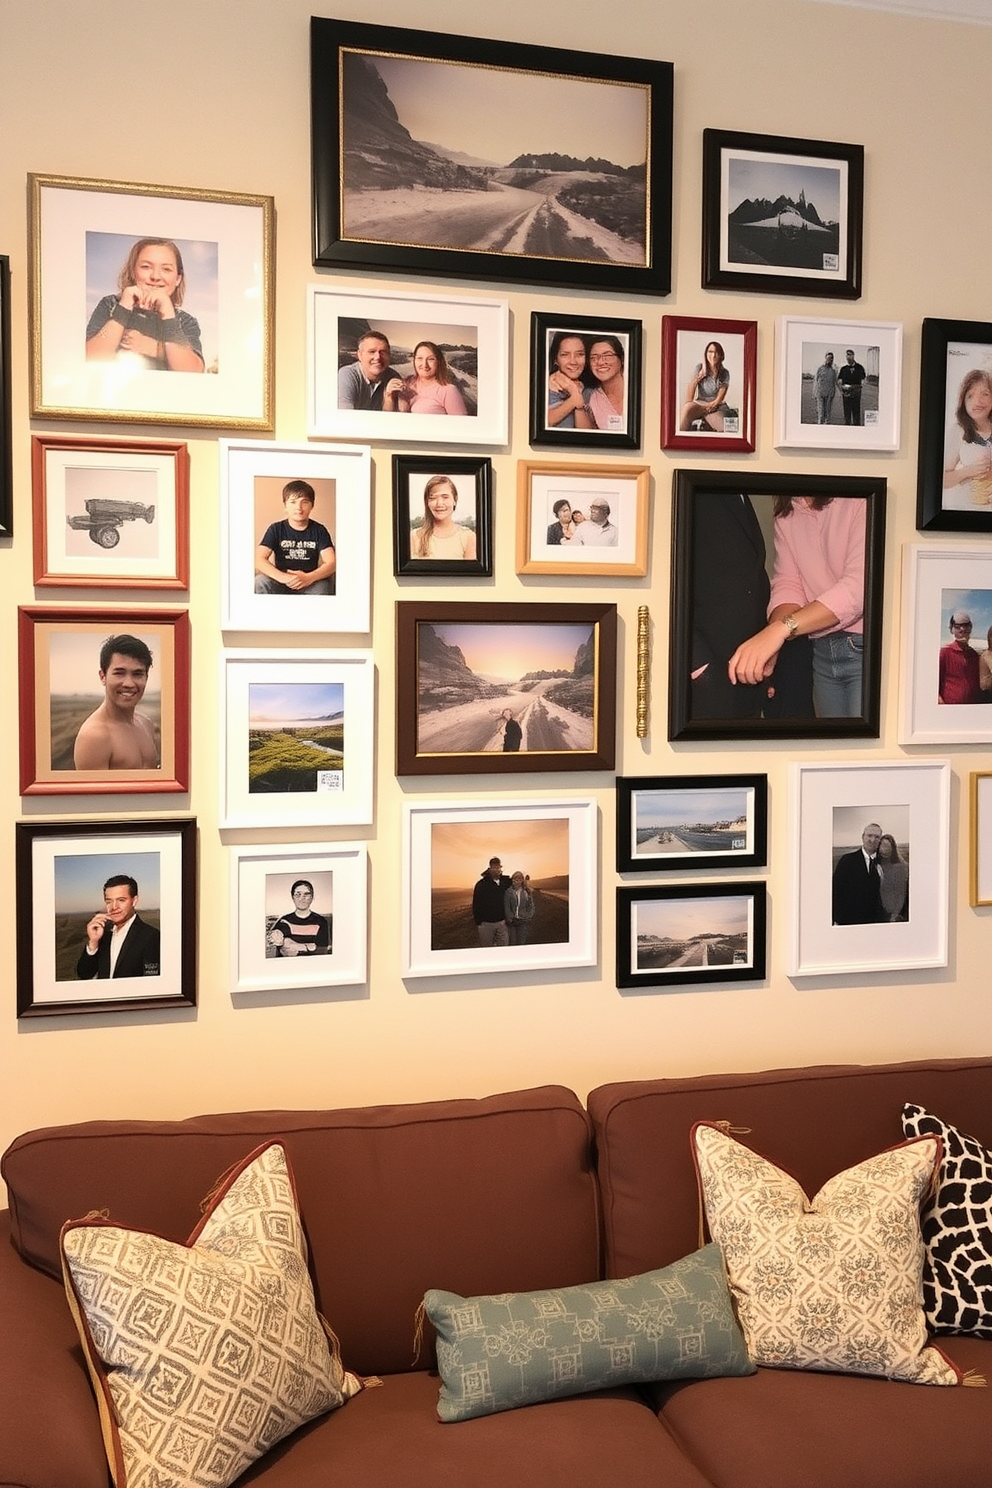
(203,1355)
(833,1282)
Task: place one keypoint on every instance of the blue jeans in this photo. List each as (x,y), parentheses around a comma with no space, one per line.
(837,675)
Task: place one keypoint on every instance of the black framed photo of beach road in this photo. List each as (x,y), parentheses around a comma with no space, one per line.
(672,935)
(734,559)
(457,155)
(504,689)
(442,516)
(954,469)
(685,822)
(782,215)
(585,381)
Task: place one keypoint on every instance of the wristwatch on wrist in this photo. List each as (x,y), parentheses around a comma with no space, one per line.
(792,626)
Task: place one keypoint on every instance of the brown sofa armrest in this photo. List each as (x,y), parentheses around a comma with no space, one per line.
(49,1426)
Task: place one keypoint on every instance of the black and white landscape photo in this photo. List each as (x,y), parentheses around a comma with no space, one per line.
(783,215)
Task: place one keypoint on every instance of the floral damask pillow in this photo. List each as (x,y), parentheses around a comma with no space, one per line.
(832,1282)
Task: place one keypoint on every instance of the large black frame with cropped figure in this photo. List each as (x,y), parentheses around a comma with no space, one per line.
(722,530)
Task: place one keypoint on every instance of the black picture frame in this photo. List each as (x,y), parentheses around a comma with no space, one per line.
(720,539)
(6,452)
(736,164)
(697,839)
(337,62)
(411,474)
(637,959)
(942,391)
(545,330)
(49,946)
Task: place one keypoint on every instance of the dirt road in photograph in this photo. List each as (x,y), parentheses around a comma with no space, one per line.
(475,727)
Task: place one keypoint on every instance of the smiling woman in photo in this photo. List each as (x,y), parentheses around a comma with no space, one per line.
(431,389)
(439,535)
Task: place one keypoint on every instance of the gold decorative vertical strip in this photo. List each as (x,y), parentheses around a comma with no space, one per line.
(643,633)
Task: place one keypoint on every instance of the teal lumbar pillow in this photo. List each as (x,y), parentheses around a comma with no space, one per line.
(518,1348)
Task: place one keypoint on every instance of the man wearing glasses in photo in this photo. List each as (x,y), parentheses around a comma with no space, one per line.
(958,664)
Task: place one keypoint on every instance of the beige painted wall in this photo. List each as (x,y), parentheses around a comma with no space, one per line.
(214,94)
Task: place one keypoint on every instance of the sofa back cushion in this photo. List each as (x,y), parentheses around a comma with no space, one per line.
(474,1196)
(812,1122)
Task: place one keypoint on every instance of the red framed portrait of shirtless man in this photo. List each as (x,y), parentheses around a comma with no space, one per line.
(104,700)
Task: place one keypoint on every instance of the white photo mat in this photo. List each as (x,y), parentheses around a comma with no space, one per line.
(762,164)
(918,792)
(800,346)
(345,796)
(66,385)
(340,878)
(168,848)
(487,325)
(349,467)
(938,579)
(482,827)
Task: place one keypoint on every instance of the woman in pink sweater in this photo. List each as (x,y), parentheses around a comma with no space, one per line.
(818,590)
(431,389)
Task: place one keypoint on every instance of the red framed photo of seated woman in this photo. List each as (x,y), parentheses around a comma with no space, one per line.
(709,377)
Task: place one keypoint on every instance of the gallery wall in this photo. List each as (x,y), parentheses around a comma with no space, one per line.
(216,96)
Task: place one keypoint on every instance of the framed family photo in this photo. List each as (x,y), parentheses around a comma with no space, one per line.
(747,550)
(981,838)
(582,519)
(407,367)
(6,446)
(585,382)
(100,881)
(838,384)
(685,822)
(110,513)
(782,215)
(297,734)
(871,865)
(442,516)
(946,676)
(458,155)
(709,380)
(151,304)
(954,469)
(296,536)
(104,700)
(496,889)
(504,689)
(671,935)
(299,916)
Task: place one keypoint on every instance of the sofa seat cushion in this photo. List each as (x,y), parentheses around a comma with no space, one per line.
(833,1282)
(957,1230)
(789,1428)
(203,1356)
(391,1438)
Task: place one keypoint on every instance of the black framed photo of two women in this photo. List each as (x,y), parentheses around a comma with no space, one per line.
(776,612)
(585,381)
(457,155)
(954,470)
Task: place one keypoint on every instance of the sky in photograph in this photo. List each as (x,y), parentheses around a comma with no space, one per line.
(506,652)
(675,808)
(406,333)
(494,115)
(751,179)
(460,851)
(80,877)
(975,602)
(74,661)
(680,919)
(814,351)
(279,899)
(294,702)
(850,822)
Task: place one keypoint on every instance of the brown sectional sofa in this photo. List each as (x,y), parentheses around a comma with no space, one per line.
(515,1192)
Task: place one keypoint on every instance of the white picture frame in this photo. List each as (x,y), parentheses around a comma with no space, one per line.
(559,838)
(262,879)
(801,346)
(307,691)
(937,582)
(252,474)
(830,805)
(479,328)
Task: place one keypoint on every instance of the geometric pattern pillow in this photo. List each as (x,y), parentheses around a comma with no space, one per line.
(203,1355)
(517,1348)
(957,1230)
(832,1282)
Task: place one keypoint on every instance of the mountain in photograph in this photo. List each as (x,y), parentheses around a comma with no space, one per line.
(783,210)
(445,677)
(785,233)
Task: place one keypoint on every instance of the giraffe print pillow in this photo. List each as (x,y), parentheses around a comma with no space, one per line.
(957,1230)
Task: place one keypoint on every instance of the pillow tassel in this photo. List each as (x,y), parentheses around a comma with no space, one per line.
(418,1335)
(974,1379)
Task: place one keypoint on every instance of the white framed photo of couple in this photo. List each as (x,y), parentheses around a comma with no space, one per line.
(838,384)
